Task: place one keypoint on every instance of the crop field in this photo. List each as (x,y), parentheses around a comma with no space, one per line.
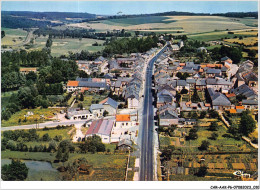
(246,41)
(186,24)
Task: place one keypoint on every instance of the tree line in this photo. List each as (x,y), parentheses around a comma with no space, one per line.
(80,33)
(130,45)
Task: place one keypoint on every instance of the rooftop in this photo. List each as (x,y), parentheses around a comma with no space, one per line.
(125,117)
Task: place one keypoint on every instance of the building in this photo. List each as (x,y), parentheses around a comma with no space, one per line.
(102,128)
(27,70)
(76,113)
(123,121)
(218,100)
(168,118)
(124,145)
(97,110)
(110,105)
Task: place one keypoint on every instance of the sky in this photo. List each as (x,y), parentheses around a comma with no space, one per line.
(131,7)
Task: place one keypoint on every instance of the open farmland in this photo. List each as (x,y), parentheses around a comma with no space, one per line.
(63,46)
(13,36)
(246,41)
(186,24)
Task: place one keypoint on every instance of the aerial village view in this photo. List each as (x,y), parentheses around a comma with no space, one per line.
(163,93)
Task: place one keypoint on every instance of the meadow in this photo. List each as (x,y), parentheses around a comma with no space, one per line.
(14,120)
(13,36)
(106,166)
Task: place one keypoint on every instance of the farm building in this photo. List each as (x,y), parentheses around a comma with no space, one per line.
(102,128)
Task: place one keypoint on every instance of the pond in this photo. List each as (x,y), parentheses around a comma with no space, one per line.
(38,170)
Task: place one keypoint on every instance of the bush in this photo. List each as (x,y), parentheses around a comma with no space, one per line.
(204,145)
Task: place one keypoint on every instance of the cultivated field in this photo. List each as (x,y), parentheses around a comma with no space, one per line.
(13,36)
(186,24)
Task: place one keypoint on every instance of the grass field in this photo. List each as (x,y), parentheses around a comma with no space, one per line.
(63,46)
(106,166)
(12,36)
(14,120)
(246,41)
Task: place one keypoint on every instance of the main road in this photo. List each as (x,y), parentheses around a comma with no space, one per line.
(146,165)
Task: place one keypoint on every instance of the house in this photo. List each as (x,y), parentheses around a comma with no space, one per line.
(110,105)
(72,86)
(251,79)
(202,49)
(212,73)
(168,118)
(27,70)
(182,84)
(102,128)
(245,91)
(191,82)
(123,121)
(218,100)
(76,113)
(250,104)
(124,145)
(166,87)
(246,66)
(219,84)
(227,62)
(164,97)
(97,109)
(201,84)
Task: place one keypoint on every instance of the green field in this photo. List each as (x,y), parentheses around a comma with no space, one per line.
(13,36)
(14,120)
(106,166)
(63,46)
(137,20)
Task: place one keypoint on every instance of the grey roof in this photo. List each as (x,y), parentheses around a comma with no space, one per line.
(108,76)
(71,112)
(249,102)
(118,84)
(84,79)
(244,90)
(100,58)
(201,82)
(213,71)
(111,102)
(164,96)
(168,114)
(224,58)
(217,81)
(218,99)
(186,70)
(224,69)
(250,77)
(93,84)
(181,83)
(166,87)
(191,81)
(96,107)
(113,64)
(167,106)
(125,142)
(132,92)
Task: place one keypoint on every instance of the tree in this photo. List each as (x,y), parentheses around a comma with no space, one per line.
(2,33)
(192,134)
(59,154)
(105,113)
(81,97)
(202,171)
(16,171)
(203,114)
(213,136)
(195,97)
(252,53)
(184,91)
(247,124)
(204,145)
(213,126)
(46,137)
(213,114)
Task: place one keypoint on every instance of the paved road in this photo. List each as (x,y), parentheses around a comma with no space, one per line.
(42,125)
(146,166)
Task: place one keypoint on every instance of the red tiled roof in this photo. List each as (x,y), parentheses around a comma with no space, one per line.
(123,117)
(73,83)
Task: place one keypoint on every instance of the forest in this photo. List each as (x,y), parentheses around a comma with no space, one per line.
(80,33)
